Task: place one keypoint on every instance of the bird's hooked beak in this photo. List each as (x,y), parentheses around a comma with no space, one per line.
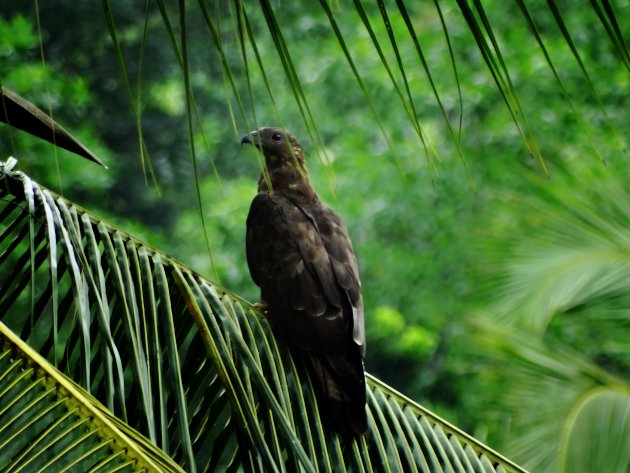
(251,138)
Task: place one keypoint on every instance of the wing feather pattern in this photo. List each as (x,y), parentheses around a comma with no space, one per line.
(301,257)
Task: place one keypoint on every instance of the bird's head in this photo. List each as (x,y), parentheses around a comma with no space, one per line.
(279,147)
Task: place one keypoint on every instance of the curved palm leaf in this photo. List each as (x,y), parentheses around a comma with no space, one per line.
(22,114)
(598,438)
(558,325)
(46,420)
(183,361)
(580,257)
(549,391)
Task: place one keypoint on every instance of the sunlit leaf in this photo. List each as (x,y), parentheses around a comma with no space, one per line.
(597,439)
(46,419)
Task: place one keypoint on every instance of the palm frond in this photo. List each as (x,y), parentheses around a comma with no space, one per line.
(18,112)
(554,394)
(580,254)
(46,419)
(181,360)
(597,437)
(134,103)
(485,30)
(555,338)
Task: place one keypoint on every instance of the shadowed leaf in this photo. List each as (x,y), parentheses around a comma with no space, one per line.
(23,115)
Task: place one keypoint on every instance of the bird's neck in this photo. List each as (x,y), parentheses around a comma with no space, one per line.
(287,178)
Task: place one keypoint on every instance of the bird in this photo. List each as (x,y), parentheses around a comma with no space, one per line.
(300,255)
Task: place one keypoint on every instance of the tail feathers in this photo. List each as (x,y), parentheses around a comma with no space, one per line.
(339,383)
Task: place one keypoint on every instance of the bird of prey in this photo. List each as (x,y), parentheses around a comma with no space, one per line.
(300,255)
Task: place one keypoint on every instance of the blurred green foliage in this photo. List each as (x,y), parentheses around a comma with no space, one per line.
(434,235)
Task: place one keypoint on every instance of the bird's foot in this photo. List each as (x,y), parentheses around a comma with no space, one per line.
(262,307)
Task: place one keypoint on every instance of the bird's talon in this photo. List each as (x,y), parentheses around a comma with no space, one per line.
(262,307)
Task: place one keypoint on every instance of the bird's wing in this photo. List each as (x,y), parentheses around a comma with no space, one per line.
(303,262)
(345,268)
(307,273)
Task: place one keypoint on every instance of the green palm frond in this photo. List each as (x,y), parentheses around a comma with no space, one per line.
(568,413)
(597,438)
(181,360)
(47,420)
(579,257)
(556,337)
(477,24)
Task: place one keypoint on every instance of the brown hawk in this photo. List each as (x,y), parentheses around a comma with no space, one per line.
(300,255)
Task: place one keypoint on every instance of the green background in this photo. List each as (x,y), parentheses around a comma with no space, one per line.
(495,284)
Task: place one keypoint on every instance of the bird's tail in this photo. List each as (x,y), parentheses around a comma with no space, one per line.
(339,383)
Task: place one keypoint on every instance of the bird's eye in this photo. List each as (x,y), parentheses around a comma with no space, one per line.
(276,136)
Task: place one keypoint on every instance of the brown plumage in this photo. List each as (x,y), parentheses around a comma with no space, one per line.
(300,255)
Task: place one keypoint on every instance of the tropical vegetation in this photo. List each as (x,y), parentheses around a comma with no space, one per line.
(477,151)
